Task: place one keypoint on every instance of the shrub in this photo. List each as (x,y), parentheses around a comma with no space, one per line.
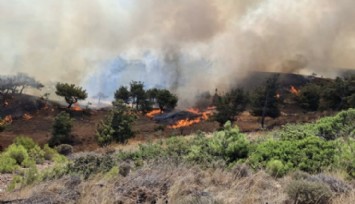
(177,146)
(37,154)
(26,142)
(64,149)
(17,152)
(7,164)
(124,169)
(311,154)
(229,144)
(89,164)
(309,97)
(49,153)
(61,129)
(276,168)
(306,192)
(334,184)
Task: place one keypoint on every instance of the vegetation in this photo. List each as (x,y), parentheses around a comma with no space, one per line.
(143,100)
(309,97)
(165,99)
(230,105)
(61,131)
(17,83)
(71,93)
(116,126)
(264,102)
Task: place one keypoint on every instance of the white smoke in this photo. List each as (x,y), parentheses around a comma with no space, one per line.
(186,46)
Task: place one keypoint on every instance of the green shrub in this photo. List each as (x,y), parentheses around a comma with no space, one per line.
(26,142)
(89,164)
(306,192)
(28,162)
(64,149)
(276,168)
(17,152)
(7,164)
(177,146)
(295,131)
(37,154)
(229,144)
(49,153)
(311,154)
(61,129)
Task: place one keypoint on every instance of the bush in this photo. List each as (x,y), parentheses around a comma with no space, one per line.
(61,129)
(229,144)
(276,168)
(17,152)
(309,97)
(306,192)
(311,154)
(49,153)
(89,164)
(7,164)
(26,142)
(37,154)
(64,149)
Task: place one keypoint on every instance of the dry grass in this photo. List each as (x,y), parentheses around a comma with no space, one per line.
(166,181)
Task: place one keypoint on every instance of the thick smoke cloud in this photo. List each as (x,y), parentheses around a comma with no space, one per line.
(186,46)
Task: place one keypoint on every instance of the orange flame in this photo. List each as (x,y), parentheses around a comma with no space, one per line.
(27,116)
(294,90)
(76,107)
(203,115)
(153,113)
(278,95)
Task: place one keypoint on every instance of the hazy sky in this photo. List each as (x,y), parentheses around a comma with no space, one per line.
(185,45)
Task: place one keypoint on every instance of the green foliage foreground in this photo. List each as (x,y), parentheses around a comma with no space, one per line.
(292,148)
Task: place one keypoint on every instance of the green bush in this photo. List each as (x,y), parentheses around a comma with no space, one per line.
(26,142)
(89,164)
(64,149)
(37,154)
(306,192)
(276,168)
(49,153)
(61,129)
(311,154)
(17,152)
(229,144)
(7,164)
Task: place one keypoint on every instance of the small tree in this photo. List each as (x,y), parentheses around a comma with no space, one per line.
(61,129)
(71,93)
(230,105)
(137,93)
(264,101)
(116,126)
(309,97)
(122,94)
(166,100)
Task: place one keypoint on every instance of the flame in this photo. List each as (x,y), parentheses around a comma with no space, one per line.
(6,103)
(27,116)
(203,115)
(294,90)
(76,107)
(278,95)
(153,113)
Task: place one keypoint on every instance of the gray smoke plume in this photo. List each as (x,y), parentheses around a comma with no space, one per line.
(186,46)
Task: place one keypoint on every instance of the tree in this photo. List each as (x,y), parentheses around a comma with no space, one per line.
(71,93)
(17,83)
(122,94)
(61,131)
(309,97)
(116,126)
(230,105)
(137,93)
(264,101)
(100,96)
(166,100)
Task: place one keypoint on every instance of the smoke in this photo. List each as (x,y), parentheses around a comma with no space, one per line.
(186,46)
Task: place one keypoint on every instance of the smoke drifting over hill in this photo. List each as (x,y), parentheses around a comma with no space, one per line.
(186,46)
